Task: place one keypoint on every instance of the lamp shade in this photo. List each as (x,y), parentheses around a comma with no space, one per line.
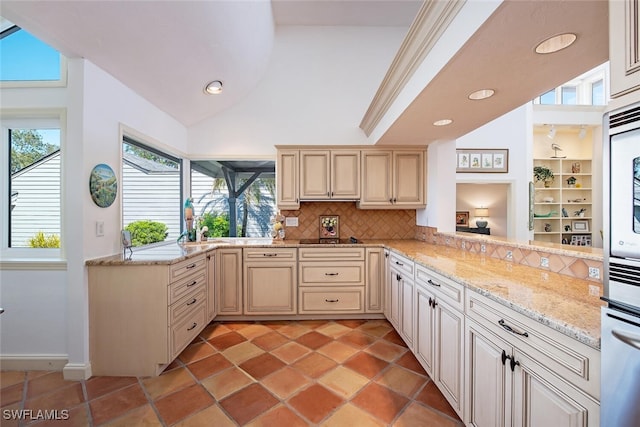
(482,212)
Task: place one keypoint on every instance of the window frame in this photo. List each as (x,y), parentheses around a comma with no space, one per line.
(131,137)
(50,258)
(61,82)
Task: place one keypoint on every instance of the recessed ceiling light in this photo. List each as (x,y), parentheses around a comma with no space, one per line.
(481,94)
(556,43)
(442,122)
(213,88)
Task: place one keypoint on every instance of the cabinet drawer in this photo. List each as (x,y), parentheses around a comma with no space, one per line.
(185,286)
(331,253)
(570,359)
(184,331)
(443,287)
(329,300)
(401,264)
(331,273)
(186,304)
(267,254)
(187,267)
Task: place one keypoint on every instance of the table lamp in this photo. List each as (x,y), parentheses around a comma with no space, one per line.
(481,213)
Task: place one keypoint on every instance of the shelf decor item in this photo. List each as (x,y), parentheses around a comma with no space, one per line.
(571,181)
(462,218)
(482,160)
(329,227)
(544,174)
(580,226)
(103,185)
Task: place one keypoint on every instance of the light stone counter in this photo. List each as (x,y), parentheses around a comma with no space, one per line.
(568,305)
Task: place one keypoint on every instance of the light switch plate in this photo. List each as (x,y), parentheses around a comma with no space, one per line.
(99,228)
(291,221)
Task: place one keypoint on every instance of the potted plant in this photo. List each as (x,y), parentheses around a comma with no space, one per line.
(571,182)
(544,174)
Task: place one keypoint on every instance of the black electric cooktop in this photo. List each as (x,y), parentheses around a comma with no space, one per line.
(349,241)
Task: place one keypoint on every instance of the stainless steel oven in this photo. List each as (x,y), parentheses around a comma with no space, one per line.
(620,349)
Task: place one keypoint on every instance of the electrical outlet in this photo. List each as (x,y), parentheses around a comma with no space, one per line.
(594,290)
(544,262)
(99,228)
(509,255)
(594,273)
(291,221)
(483,248)
(464,245)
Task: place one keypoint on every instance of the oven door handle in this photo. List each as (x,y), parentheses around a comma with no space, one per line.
(627,338)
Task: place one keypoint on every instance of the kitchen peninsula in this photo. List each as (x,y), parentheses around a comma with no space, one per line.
(460,310)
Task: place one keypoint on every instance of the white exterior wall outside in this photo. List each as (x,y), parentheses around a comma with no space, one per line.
(38,203)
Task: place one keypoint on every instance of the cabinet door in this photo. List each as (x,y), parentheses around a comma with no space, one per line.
(314,174)
(287,179)
(542,399)
(449,350)
(394,281)
(374,281)
(211,286)
(488,379)
(406,311)
(624,40)
(376,178)
(387,286)
(270,288)
(229,281)
(345,174)
(408,178)
(424,332)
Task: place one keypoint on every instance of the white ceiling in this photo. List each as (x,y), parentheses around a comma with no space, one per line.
(168,50)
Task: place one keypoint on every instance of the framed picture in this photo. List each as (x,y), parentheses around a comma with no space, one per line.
(103,185)
(329,227)
(579,226)
(482,160)
(462,218)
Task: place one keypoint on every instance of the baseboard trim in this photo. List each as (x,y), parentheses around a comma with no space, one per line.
(30,362)
(77,371)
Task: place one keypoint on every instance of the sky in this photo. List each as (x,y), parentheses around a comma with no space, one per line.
(23,57)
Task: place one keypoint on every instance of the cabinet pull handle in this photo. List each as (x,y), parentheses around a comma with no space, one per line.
(331,274)
(504,357)
(331,300)
(395,200)
(328,194)
(190,266)
(390,200)
(192,283)
(431,302)
(386,254)
(431,282)
(192,326)
(514,363)
(510,329)
(193,301)
(269,255)
(399,263)
(398,277)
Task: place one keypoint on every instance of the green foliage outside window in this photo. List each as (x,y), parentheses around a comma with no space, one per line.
(145,232)
(41,240)
(27,147)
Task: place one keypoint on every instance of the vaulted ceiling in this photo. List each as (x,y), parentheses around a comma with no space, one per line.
(167,50)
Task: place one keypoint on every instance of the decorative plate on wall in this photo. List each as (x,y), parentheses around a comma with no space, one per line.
(103,185)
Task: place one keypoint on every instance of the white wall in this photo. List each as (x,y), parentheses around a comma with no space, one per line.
(317,87)
(514,132)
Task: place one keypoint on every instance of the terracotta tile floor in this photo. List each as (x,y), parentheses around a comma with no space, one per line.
(327,373)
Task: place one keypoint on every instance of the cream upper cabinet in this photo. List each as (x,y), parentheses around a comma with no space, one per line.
(393,179)
(329,174)
(287,180)
(624,46)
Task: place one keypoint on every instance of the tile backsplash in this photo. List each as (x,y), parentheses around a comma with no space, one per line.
(360,223)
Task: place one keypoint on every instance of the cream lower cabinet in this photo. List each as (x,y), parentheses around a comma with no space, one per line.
(331,281)
(229,281)
(401,295)
(524,374)
(142,316)
(270,281)
(439,333)
(212,308)
(374,288)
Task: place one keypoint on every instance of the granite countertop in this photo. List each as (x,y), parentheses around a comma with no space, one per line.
(568,305)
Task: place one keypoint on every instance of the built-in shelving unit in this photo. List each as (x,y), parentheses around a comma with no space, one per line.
(563,211)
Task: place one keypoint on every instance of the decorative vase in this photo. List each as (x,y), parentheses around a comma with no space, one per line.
(547,227)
